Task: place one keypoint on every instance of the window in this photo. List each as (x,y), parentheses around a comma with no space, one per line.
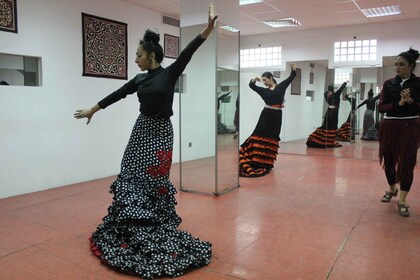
(18,70)
(357,52)
(310,95)
(261,57)
(340,78)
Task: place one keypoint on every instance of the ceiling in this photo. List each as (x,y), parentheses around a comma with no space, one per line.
(310,13)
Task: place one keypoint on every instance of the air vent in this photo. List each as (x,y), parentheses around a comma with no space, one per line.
(311,65)
(170,20)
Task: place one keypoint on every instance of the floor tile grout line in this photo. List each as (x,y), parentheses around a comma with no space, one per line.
(23,249)
(340,249)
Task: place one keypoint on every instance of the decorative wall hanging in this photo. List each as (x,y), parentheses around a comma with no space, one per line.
(276,74)
(295,86)
(104,47)
(362,91)
(8,16)
(311,78)
(171,46)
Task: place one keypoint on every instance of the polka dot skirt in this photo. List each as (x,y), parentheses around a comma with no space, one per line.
(139,235)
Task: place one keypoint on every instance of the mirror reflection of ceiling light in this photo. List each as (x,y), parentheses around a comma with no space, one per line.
(247,2)
(382,11)
(276,23)
(229,28)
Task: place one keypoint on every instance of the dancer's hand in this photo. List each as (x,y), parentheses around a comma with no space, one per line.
(211,23)
(405,97)
(86,113)
(293,67)
(256,79)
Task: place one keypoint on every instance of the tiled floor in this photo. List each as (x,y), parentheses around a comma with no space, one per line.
(314,217)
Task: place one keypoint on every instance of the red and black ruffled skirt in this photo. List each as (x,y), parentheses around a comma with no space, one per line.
(259,152)
(399,139)
(325,136)
(344,132)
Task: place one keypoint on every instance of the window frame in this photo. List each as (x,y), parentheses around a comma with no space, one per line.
(348,46)
(261,49)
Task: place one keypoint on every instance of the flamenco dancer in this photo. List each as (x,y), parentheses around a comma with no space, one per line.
(346,130)
(258,153)
(139,235)
(399,133)
(369,130)
(325,136)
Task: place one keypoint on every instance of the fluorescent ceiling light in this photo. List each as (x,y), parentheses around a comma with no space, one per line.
(382,11)
(247,2)
(276,23)
(229,28)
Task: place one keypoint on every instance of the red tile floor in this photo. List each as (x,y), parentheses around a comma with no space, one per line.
(315,216)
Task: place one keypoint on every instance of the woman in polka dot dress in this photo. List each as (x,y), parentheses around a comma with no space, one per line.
(139,235)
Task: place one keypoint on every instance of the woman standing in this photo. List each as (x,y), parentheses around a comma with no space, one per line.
(258,153)
(139,235)
(325,136)
(368,118)
(399,133)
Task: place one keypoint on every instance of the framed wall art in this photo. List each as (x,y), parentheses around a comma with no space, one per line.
(296,83)
(8,16)
(104,47)
(171,46)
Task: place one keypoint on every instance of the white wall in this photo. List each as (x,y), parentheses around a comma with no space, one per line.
(41,145)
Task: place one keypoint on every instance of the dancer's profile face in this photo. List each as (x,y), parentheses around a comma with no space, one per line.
(142,59)
(402,67)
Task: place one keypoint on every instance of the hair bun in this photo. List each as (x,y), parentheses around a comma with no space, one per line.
(151,36)
(414,53)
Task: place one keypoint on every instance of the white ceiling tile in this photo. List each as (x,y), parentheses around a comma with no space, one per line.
(311,13)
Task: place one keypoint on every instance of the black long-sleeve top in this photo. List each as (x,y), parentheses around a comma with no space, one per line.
(155,89)
(390,97)
(334,98)
(370,103)
(276,95)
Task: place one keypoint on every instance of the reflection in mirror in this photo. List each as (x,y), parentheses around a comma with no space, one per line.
(365,145)
(18,70)
(227,109)
(208,139)
(197,116)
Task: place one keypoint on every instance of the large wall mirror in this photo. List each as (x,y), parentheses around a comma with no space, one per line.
(227,109)
(208,135)
(363,134)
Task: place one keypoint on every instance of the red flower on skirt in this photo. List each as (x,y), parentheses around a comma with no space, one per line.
(165,159)
(162,190)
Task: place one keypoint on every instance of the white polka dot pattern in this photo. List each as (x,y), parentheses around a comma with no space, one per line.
(139,235)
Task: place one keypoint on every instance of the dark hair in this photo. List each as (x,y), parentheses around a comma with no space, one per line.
(269,75)
(370,93)
(4,83)
(331,88)
(150,44)
(411,56)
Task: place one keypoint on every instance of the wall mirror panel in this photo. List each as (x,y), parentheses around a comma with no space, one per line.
(227,110)
(363,125)
(208,141)
(197,110)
